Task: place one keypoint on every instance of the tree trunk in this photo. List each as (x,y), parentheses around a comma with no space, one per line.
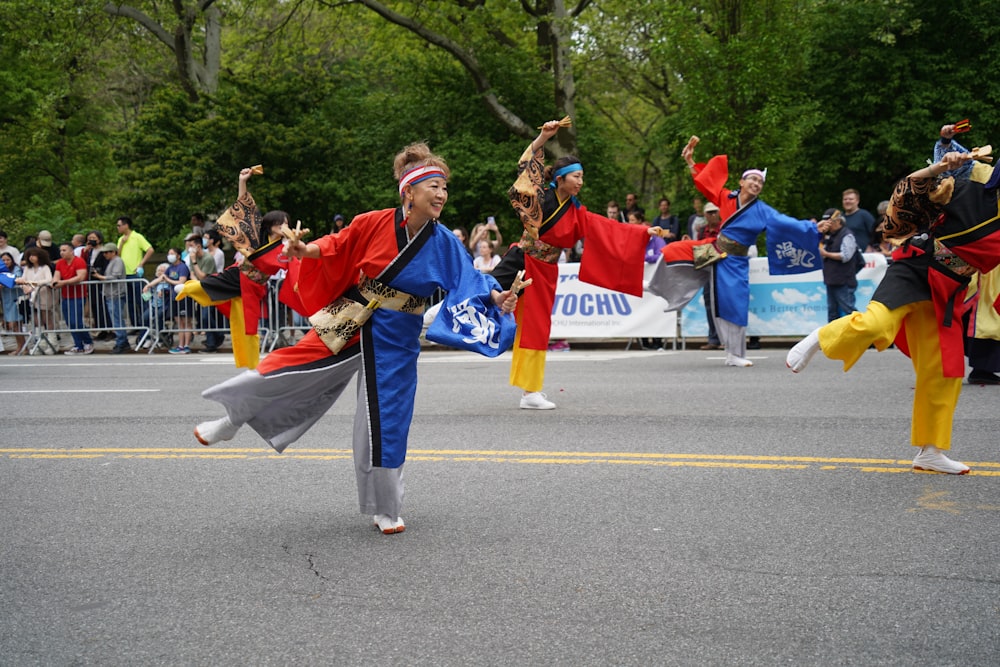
(557,28)
(199,72)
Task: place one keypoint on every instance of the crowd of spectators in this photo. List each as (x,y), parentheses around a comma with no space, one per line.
(84,294)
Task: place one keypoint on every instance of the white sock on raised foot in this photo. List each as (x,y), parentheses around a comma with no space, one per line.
(803,351)
(209,433)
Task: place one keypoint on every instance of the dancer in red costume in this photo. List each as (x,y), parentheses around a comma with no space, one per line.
(792,247)
(239,290)
(545,199)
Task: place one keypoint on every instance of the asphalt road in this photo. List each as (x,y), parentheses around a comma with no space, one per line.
(671,511)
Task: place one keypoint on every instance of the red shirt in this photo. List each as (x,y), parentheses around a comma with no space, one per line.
(67,271)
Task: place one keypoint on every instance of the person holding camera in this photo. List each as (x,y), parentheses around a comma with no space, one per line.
(487,231)
(97,263)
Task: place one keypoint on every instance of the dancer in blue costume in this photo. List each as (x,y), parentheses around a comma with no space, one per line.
(792,247)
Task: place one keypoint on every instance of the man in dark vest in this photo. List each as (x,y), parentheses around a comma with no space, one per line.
(838,252)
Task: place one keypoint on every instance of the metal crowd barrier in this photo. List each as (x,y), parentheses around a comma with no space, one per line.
(149,318)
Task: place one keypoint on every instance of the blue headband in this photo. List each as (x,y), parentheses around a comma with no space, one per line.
(562,171)
(568,169)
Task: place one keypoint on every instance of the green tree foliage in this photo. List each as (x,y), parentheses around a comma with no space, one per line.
(889,75)
(732,72)
(96,118)
(56,168)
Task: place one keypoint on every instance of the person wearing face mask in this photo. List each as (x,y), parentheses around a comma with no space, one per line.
(97,263)
(368,286)
(545,198)
(211,241)
(176,275)
(202,266)
(792,246)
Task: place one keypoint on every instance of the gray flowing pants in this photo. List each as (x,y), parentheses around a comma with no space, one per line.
(283,405)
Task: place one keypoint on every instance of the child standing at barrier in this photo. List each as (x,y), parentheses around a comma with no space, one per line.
(155,295)
(176,275)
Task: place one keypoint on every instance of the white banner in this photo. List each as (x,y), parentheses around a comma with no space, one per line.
(582,310)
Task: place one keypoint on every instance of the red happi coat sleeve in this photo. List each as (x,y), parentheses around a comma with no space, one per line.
(615,253)
(368,244)
(710,179)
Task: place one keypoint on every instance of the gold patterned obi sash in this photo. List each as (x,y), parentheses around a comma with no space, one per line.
(538,249)
(948,259)
(253,273)
(706,254)
(731,247)
(337,323)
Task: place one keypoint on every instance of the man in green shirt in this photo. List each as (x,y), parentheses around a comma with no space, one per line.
(135,251)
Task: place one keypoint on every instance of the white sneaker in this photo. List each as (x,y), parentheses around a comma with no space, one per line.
(386,524)
(536,400)
(209,433)
(741,362)
(931,458)
(803,352)
(88,349)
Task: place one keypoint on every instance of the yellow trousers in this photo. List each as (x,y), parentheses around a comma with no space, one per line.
(935,396)
(527,368)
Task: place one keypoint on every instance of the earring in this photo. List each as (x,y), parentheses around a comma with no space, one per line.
(406,208)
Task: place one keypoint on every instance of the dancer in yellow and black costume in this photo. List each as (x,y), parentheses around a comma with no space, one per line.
(240,289)
(946,231)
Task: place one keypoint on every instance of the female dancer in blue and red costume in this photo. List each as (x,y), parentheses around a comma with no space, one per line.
(401,255)
(945,230)
(546,201)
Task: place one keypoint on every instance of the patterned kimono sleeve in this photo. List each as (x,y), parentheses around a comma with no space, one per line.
(240,224)
(526,193)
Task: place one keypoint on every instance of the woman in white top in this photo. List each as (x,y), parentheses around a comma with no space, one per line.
(485,261)
(35,281)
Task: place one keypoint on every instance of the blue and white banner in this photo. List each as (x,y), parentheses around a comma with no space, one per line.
(790,305)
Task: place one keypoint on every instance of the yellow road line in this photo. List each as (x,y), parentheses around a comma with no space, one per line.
(676,460)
